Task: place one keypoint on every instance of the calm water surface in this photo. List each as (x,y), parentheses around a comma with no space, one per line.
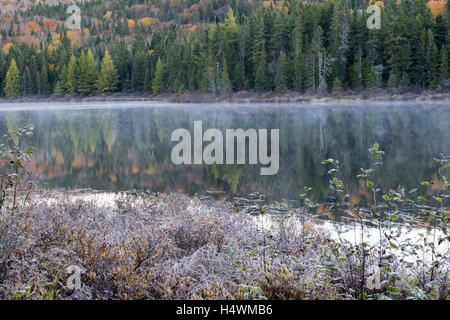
(126,145)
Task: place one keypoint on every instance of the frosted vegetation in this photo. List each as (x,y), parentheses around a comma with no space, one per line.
(172,246)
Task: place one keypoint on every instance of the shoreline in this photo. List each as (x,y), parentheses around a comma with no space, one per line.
(349,96)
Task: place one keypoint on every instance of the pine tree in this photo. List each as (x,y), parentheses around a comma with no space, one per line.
(444,67)
(436,76)
(417,52)
(68,76)
(12,81)
(429,44)
(121,59)
(300,72)
(35,76)
(88,79)
(225,78)
(44,82)
(27,85)
(262,73)
(281,80)
(323,69)
(108,78)
(138,71)
(148,80)
(80,71)
(369,77)
(357,70)
(339,31)
(157,82)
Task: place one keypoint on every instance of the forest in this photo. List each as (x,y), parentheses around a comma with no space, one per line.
(223,46)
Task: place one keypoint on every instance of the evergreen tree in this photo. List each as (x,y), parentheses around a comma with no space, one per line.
(68,76)
(44,85)
(262,74)
(300,76)
(88,80)
(157,82)
(417,52)
(12,81)
(225,78)
(108,77)
(35,76)
(281,80)
(138,71)
(436,75)
(357,70)
(80,71)
(444,67)
(369,77)
(27,85)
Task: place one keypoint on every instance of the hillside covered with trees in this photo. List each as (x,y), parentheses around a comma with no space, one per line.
(221,46)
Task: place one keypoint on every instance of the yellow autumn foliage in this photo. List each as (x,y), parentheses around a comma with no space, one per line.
(145,21)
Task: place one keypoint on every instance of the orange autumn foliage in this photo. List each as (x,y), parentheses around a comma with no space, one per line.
(32,27)
(6,47)
(28,39)
(436,7)
(49,24)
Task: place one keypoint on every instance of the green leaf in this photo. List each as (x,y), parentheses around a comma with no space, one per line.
(438,199)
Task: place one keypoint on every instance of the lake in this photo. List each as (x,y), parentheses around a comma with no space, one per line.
(117,146)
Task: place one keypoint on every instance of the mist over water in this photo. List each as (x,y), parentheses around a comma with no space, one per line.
(124,145)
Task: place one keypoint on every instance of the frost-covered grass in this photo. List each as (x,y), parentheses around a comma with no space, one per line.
(178,247)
